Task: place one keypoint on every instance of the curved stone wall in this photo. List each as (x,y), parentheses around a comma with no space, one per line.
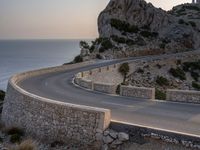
(140,92)
(105,79)
(48,119)
(183,96)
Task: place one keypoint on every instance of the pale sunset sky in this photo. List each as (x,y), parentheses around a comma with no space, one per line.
(56,19)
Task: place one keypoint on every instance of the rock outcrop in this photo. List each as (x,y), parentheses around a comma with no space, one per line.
(127,27)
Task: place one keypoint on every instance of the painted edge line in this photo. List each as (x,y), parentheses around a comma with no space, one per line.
(159,129)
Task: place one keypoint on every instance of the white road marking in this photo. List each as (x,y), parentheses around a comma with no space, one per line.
(129,106)
(159,129)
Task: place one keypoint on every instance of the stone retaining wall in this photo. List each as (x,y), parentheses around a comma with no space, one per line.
(51,120)
(86,83)
(183,96)
(108,77)
(140,92)
(105,87)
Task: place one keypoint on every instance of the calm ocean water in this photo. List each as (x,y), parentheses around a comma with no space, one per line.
(22,55)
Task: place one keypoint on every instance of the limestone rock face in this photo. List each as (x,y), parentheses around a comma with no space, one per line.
(135,12)
(131,27)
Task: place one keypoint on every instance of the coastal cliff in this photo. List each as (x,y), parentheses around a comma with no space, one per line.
(135,27)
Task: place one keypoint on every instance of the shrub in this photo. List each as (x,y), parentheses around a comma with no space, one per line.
(92,47)
(15,138)
(192,7)
(57,143)
(124,70)
(118,39)
(84,44)
(98,56)
(178,62)
(162,45)
(181,21)
(191,65)
(162,81)
(106,43)
(193,24)
(160,95)
(148,34)
(195,75)
(145,27)
(122,40)
(123,26)
(159,66)
(178,73)
(15,130)
(196,85)
(101,50)
(130,42)
(78,59)
(140,70)
(118,89)
(2,95)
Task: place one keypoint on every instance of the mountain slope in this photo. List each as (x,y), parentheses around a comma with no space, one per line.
(134,27)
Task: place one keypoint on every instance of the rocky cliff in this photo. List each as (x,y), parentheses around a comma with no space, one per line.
(135,27)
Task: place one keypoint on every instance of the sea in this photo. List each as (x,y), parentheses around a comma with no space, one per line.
(22,55)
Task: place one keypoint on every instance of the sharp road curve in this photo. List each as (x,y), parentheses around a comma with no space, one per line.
(58,86)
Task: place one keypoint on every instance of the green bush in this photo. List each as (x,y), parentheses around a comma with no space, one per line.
(123,26)
(178,62)
(145,27)
(148,34)
(2,95)
(106,43)
(178,73)
(193,24)
(162,81)
(15,130)
(124,70)
(84,44)
(118,89)
(195,75)
(118,39)
(162,45)
(196,85)
(98,56)
(159,66)
(140,70)
(78,59)
(122,40)
(160,95)
(192,7)
(191,65)
(181,21)
(15,138)
(101,50)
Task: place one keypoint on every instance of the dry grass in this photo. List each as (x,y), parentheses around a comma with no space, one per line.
(25,145)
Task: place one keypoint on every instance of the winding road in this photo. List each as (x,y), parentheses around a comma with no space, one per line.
(178,117)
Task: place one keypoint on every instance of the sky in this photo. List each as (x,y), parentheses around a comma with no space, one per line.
(56,19)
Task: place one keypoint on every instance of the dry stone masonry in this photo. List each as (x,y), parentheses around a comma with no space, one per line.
(51,120)
(140,92)
(106,79)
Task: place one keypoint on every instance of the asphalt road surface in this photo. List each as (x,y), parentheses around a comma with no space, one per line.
(179,117)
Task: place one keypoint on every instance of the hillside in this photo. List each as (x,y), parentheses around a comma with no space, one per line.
(134,27)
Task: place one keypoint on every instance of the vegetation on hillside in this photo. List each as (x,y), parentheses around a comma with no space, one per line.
(2,95)
(124,70)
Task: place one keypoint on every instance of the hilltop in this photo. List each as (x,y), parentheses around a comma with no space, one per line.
(135,27)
